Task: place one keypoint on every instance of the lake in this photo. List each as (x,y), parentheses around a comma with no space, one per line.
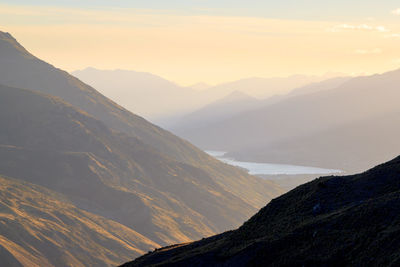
(255,168)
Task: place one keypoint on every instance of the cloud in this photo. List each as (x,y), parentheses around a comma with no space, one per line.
(393,35)
(396,60)
(368,51)
(362,27)
(182,47)
(396,12)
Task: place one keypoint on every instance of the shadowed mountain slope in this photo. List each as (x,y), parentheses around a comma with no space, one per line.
(48,142)
(331,221)
(21,69)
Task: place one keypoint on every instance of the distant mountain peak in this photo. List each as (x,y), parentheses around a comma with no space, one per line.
(237,96)
(9,46)
(6,35)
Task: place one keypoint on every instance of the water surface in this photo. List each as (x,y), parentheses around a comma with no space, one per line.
(255,168)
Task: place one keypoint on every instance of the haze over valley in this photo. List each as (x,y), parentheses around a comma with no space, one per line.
(199,133)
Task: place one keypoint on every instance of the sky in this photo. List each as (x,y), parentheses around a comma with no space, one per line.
(210,41)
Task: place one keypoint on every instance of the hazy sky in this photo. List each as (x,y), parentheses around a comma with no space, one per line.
(211,41)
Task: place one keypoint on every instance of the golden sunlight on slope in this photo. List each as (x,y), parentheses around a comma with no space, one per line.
(40,228)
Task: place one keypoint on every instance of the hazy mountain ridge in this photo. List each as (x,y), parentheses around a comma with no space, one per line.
(331,221)
(328,84)
(166,103)
(238,103)
(266,87)
(142,93)
(257,133)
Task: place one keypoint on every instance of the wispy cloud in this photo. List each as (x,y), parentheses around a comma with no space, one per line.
(393,35)
(396,12)
(179,46)
(368,51)
(361,27)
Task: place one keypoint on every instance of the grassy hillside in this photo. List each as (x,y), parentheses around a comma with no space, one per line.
(50,143)
(42,228)
(331,221)
(147,183)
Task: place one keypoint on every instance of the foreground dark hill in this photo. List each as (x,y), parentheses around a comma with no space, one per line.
(331,221)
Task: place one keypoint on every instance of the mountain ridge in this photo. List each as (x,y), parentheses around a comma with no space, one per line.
(257,133)
(28,74)
(62,135)
(331,221)
(94,153)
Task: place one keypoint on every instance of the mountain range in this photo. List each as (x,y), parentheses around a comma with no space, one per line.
(331,221)
(134,185)
(167,103)
(143,93)
(263,88)
(237,103)
(327,127)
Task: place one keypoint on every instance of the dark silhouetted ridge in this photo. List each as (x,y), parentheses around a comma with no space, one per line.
(331,221)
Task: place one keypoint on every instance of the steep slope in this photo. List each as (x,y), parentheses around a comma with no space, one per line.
(143,93)
(356,100)
(39,227)
(115,175)
(331,221)
(21,69)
